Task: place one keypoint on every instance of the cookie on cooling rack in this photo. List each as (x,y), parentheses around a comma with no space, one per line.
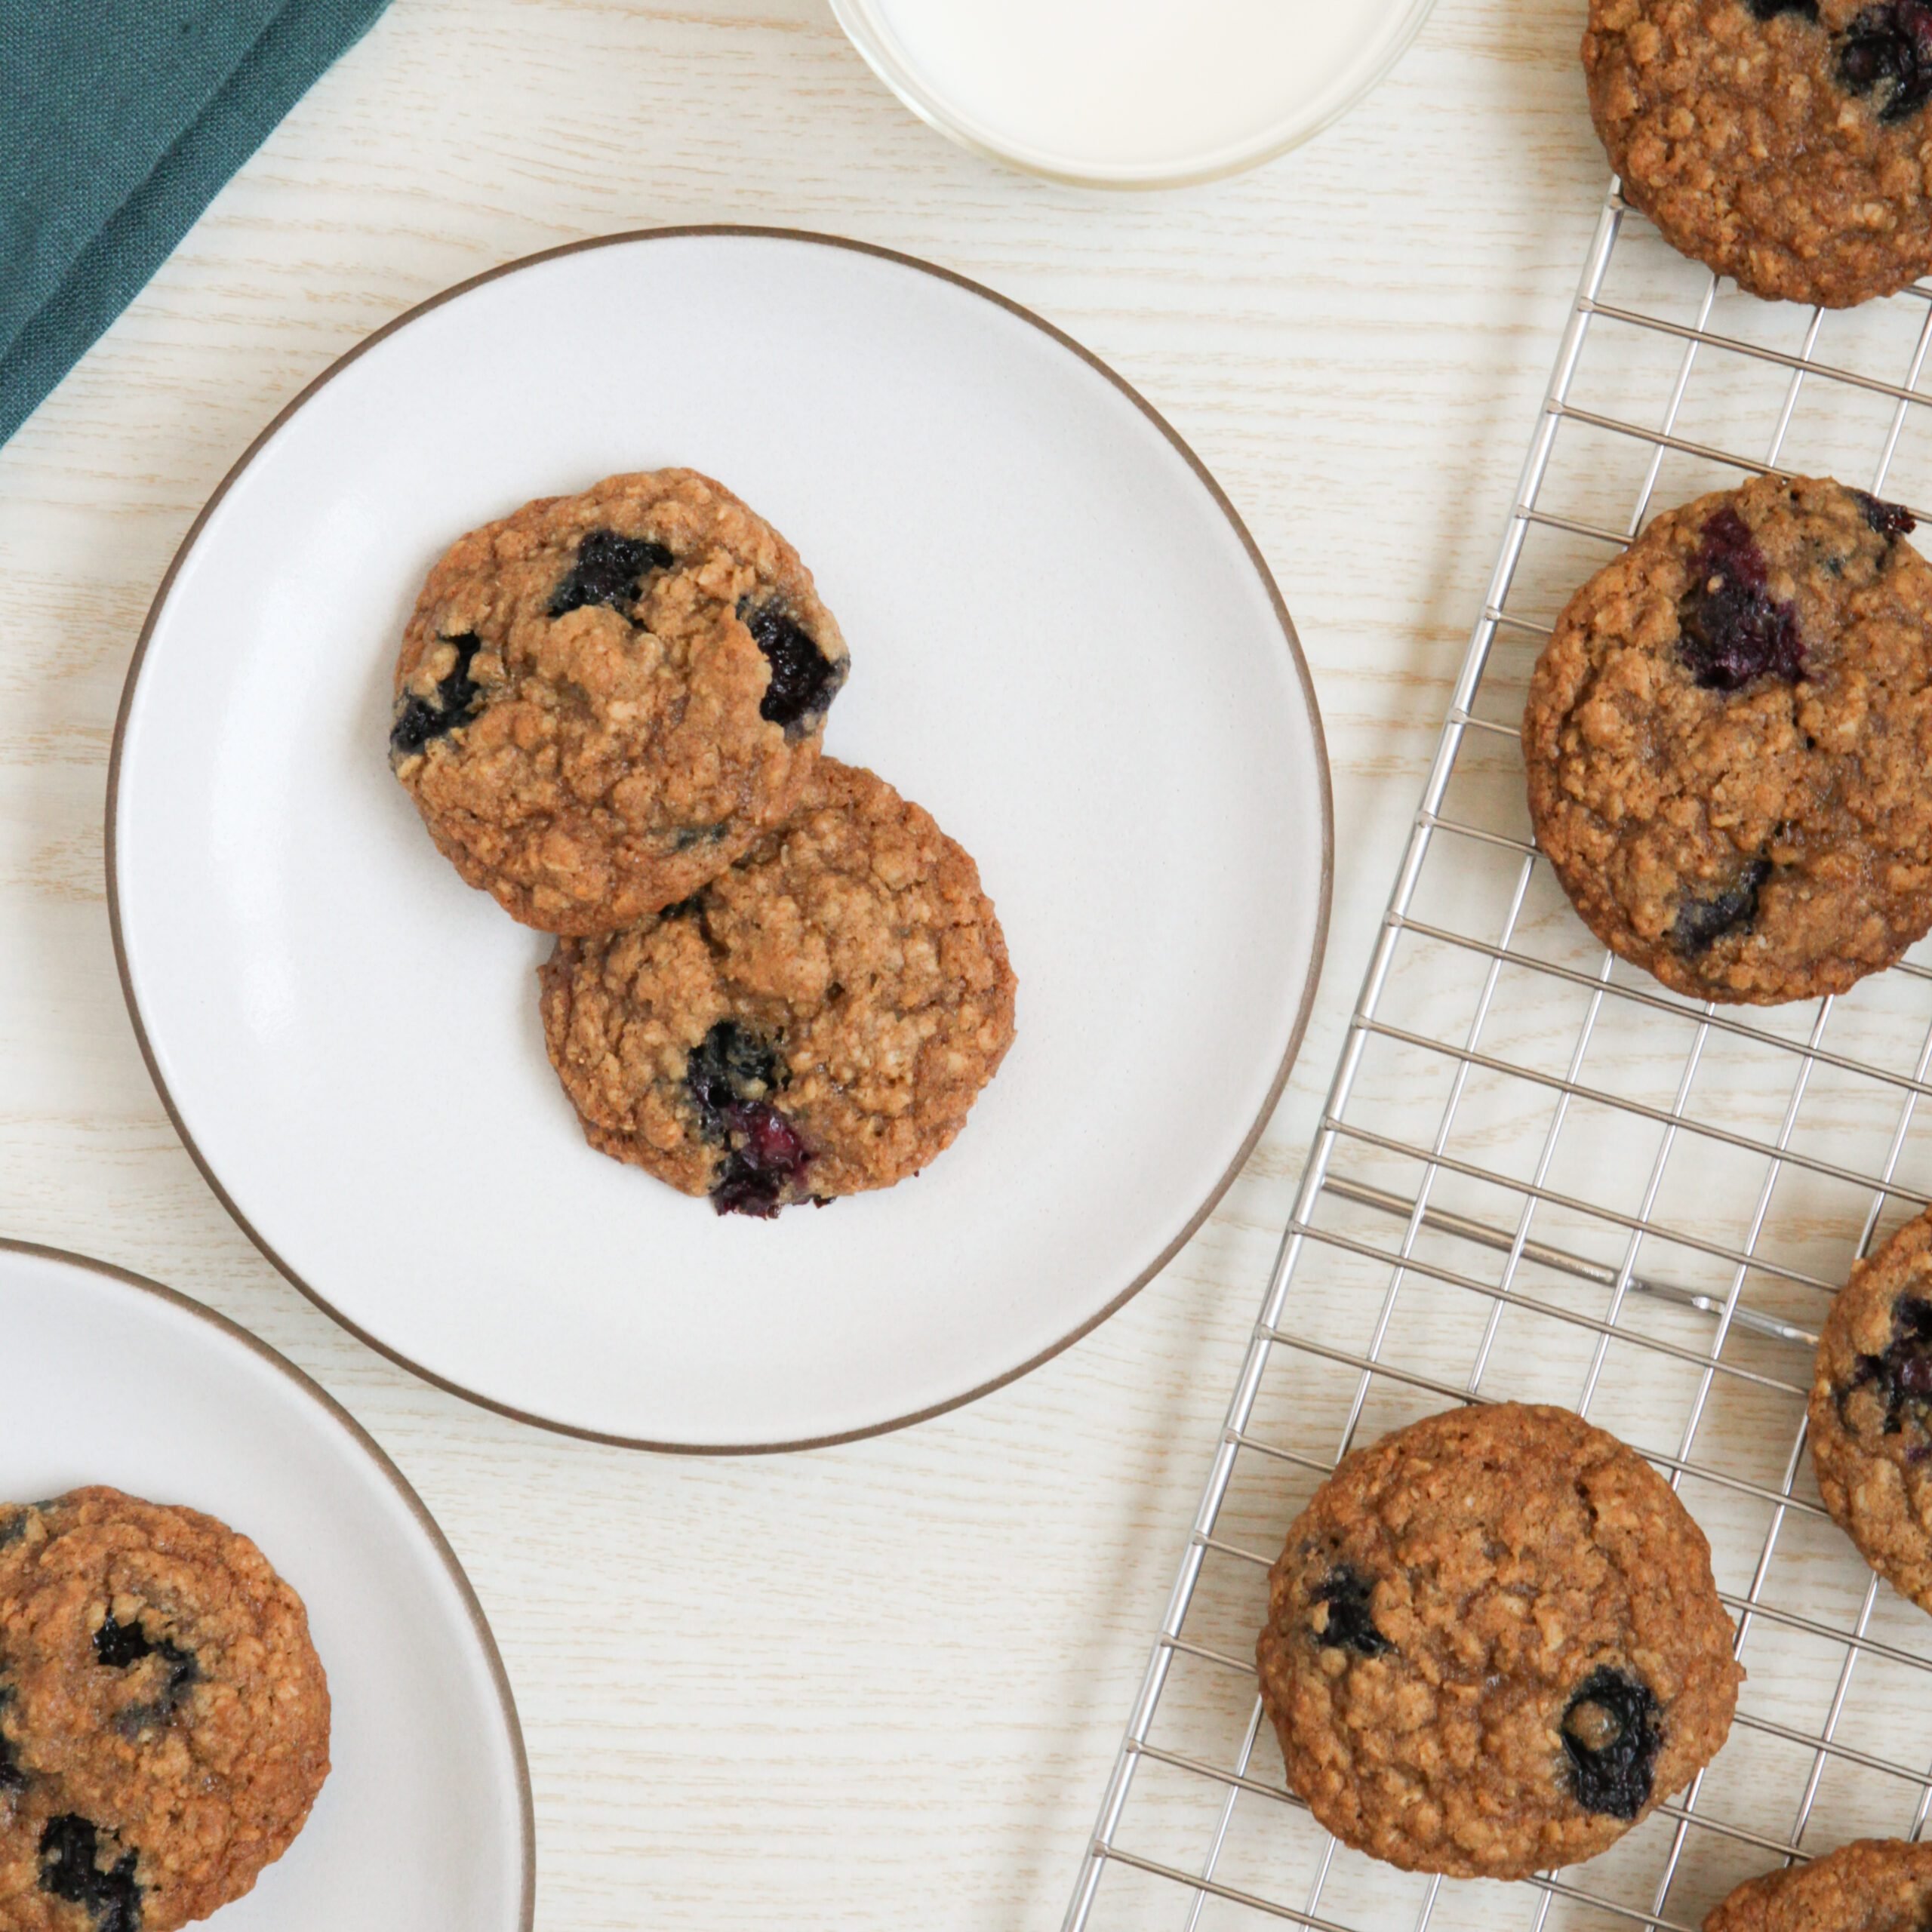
(163,1719)
(1871,1885)
(1871,1410)
(1493,1644)
(603,700)
(1780,142)
(814,1022)
(1728,738)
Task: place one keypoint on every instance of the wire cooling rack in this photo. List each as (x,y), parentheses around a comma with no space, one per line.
(1541,1176)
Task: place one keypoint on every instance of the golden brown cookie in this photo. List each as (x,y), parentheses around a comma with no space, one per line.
(1871,1410)
(1727,739)
(163,1719)
(815,1021)
(1871,1885)
(603,700)
(1493,1644)
(1782,143)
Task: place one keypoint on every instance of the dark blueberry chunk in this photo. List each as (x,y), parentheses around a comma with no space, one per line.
(609,570)
(1769,10)
(685,908)
(1732,631)
(803,680)
(1350,1626)
(1887,519)
(417,720)
(117,1645)
(11,1776)
(691,836)
(1700,921)
(729,1074)
(1903,1375)
(13,1526)
(768,1155)
(728,1068)
(1889,47)
(1611,1737)
(69,1850)
(120,1646)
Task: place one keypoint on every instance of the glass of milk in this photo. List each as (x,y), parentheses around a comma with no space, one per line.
(1131,93)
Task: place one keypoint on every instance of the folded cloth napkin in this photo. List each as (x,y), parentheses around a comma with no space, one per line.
(119,121)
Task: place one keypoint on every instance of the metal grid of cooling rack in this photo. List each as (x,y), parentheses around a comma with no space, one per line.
(1540,1176)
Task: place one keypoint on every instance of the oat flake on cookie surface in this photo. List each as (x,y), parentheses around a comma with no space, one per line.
(1727,739)
(1493,1644)
(1783,143)
(815,1021)
(602,701)
(163,1717)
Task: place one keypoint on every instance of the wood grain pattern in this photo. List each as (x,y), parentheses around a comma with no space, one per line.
(877,1686)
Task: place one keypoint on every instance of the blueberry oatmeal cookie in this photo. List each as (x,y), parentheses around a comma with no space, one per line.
(1493,1644)
(1871,1885)
(163,1719)
(603,700)
(1783,143)
(1871,1410)
(814,1022)
(1726,738)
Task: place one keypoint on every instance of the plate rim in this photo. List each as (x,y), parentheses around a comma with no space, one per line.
(1291,638)
(306,1384)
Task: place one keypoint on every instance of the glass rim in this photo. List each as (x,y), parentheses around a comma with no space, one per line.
(863,27)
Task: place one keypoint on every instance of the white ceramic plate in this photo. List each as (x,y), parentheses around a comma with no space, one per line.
(424,1824)
(1063,645)
(1131,93)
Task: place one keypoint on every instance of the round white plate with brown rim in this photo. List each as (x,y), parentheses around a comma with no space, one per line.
(423,1824)
(1064,645)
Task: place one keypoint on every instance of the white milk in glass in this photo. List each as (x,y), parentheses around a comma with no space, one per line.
(1139,85)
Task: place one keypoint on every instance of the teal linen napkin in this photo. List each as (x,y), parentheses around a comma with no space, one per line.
(119,121)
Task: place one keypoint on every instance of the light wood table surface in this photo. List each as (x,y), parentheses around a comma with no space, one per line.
(880,1685)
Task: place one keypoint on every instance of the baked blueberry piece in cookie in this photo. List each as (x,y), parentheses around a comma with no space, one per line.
(1871,1885)
(1493,1644)
(163,1719)
(814,1022)
(602,699)
(1728,738)
(1871,1410)
(60,1872)
(1780,142)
